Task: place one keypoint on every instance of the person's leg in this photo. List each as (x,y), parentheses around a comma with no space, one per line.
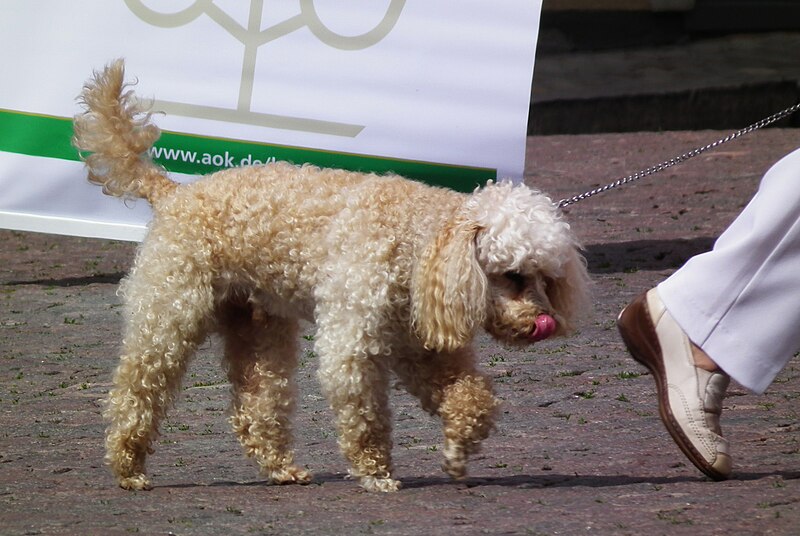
(736,302)
(731,307)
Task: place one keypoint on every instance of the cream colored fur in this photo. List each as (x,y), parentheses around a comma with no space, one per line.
(398,277)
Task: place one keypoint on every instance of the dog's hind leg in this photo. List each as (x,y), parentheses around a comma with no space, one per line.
(261,356)
(449,385)
(168,318)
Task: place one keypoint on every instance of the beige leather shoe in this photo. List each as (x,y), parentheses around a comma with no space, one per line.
(689,398)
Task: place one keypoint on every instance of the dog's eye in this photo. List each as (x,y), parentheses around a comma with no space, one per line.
(516,278)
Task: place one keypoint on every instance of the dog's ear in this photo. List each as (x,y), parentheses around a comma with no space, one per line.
(569,294)
(448,290)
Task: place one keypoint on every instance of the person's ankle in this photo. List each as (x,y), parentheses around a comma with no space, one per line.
(702,361)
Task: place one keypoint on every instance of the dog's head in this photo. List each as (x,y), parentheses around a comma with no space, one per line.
(507,262)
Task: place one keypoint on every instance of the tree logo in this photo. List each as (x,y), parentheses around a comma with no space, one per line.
(253,37)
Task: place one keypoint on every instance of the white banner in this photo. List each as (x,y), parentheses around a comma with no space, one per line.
(431,89)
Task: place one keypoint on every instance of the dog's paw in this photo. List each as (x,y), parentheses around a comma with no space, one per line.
(383,485)
(135,483)
(291,475)
(456,468)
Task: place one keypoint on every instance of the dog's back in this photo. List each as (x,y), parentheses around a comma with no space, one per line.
(278,228)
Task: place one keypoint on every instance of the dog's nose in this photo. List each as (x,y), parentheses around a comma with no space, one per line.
(545,326)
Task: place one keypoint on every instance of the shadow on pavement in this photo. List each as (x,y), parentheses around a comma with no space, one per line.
(636,255)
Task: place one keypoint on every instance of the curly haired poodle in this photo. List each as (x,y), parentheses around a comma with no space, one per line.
(397,276)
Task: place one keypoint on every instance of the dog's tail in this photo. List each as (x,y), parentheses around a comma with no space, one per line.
(115,133)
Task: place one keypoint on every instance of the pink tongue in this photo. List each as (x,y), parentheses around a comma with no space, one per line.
(545,327)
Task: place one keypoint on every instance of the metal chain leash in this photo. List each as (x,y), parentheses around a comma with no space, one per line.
(678,159)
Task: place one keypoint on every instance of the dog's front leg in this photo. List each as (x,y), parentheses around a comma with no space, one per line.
(451,386)
(356,385)
(468,413)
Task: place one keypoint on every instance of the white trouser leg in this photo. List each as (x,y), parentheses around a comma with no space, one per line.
(740,302)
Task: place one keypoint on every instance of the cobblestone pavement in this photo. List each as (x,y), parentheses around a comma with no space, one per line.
(579,449)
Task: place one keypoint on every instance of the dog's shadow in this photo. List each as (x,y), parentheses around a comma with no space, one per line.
(631,256)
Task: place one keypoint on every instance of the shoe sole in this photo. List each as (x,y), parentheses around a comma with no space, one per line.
(637,336)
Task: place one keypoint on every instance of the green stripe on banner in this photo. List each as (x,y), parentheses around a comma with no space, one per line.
(36,135)
(50,136)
